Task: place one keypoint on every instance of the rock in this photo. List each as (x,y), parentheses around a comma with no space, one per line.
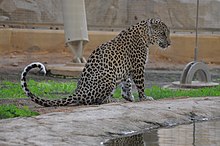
(93,125)
(176,13)
(116,14)
(15,64)
(3,18)
(18,10)
(32,11)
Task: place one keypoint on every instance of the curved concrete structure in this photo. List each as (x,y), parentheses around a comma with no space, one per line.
(195,68)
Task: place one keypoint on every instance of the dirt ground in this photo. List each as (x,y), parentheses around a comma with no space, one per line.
(158,72)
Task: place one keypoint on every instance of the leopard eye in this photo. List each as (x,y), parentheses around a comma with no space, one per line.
(155,27)
(163,33)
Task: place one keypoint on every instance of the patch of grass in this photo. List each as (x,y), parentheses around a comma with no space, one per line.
(54,89)
(12,111)
(117,93)
(159,93)
(10,90)
(48,89)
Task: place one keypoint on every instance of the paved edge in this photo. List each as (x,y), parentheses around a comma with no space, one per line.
(93,125)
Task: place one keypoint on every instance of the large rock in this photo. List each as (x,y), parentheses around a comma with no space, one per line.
(32,11)
(92,125)
(176,13)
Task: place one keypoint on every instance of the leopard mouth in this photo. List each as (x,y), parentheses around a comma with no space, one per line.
(164,45)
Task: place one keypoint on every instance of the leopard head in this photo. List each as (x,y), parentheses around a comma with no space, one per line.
(158,33)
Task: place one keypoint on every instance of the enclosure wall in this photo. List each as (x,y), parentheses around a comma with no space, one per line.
(52,41)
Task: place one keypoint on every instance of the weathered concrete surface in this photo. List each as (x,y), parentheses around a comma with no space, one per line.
(93,125)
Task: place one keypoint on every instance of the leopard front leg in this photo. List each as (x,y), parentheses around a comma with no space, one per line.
(138,78)
(126,87)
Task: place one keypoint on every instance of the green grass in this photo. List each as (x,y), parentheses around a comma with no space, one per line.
(159,93)
(12,111)
(48,89)
(54,89)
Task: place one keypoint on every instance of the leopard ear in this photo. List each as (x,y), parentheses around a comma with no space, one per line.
(155,21)
(152,25)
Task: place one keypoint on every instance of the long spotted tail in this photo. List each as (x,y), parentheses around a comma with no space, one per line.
(40,101)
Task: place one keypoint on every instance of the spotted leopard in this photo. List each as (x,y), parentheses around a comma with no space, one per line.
(122,58)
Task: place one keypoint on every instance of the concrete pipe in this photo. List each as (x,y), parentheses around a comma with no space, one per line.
(75,27)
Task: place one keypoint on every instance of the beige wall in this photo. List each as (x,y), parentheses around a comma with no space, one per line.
(29,40)
(52,41)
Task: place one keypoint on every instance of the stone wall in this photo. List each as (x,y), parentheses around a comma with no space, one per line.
(112,14)
(31,11)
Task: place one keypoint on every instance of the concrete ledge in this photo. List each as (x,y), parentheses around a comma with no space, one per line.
(65,69)
(52,41)
(92,125)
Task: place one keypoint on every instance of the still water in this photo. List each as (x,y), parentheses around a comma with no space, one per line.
(197,134)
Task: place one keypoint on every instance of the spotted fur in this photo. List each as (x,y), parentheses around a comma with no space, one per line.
(122,58)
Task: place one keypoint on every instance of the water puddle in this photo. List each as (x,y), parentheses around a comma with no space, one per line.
(196,134)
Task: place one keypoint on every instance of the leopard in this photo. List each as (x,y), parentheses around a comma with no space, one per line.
(119,60)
